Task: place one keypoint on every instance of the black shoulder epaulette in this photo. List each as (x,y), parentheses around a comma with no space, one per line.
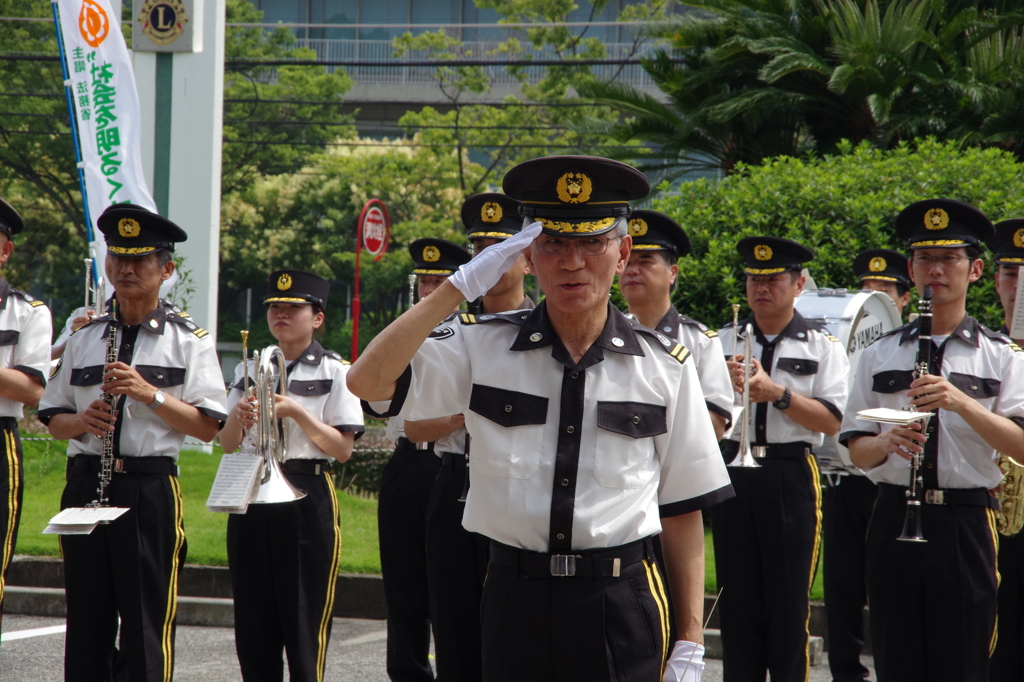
(183,320)
(999,336)
(28,298)
(515,317)
(336,356)
(96,320)
(676,350)
(710,333)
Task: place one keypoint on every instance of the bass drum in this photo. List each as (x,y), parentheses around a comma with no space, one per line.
(856,318)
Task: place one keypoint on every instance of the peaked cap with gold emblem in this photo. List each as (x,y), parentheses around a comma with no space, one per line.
(575,196)
(297,286)
(772,255)
(131,230)
(10,220)
(882,264)
(653,231)
(942,224)
(437,256)
(491,216)
(1008,242)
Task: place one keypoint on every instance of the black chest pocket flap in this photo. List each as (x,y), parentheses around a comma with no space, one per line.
(636,420)
(800,367)
(314,387)
(162,377)
(9,337)
(508,408)
(892,381)
(975,387)
(87,376)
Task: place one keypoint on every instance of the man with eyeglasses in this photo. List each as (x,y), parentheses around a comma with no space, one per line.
(766,538)
(1008,659)
(647,284)
(933,603)
(590,435)
(456,557)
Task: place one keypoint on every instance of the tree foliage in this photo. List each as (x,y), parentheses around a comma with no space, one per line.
(838,205)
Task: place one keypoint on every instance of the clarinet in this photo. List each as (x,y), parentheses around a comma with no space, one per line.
(107,456)
(912,522)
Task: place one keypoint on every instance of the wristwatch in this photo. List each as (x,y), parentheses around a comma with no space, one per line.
(783,402)
(158,400)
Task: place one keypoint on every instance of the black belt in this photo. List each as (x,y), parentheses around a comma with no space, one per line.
(771,450)
(453,459)
(9,423)
(584,563)
(973,497)
(127,465)
(307,467)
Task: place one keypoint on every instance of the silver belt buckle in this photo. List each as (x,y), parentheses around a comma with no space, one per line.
(935,496)
(563,565)
(759,451)
(119,466)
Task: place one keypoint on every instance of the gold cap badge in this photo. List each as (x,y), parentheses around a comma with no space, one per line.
(637,227)
(128,227)
(763,252)
(936,219)
(490,212)
(574,188)
(877,264)
(431,254)
(284,282)
(1018,238)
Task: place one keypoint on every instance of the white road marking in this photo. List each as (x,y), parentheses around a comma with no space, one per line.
(35,632)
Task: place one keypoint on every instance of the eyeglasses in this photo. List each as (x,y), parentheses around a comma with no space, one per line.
(588,246)
(950,259)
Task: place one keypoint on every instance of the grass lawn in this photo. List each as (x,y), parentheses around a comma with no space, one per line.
(44,481)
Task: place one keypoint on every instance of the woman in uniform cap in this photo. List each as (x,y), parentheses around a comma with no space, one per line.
(284,557)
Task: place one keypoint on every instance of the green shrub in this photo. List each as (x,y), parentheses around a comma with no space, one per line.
(838,206)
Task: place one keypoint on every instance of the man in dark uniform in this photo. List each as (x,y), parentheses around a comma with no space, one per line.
(849,499)
(457,558)
(766,538)
(168,385)
(25,327)
(402,504)
(587,429)
(1008,659)
(933,603)
(647,284)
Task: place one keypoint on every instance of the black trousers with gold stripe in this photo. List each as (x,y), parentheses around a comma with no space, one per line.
(284,566)
(1008,659)
(932,604)
(12,484)
(766,550)
(128,568)
(593,626)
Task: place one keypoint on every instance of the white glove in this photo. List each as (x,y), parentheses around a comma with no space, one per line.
(475,278)
(685,663)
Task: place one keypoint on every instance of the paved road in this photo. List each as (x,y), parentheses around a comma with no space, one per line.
(205,654)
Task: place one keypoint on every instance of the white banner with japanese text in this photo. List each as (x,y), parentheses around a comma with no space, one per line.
(106,108)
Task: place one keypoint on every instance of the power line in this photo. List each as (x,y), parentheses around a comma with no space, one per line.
(434,63)
(383,125)
(400,103)
(400,144)
(31,94)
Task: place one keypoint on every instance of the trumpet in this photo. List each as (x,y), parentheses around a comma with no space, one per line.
(912,531)
(412,290)
(745,457)
(271,436)
(95,289)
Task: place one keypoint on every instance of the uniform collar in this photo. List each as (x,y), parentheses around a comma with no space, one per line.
(798,329)
(617,336)
(968,331)
(669,324)
(313,355)
(5,293)
(156,320)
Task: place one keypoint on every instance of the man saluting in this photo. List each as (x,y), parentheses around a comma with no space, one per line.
(590,435)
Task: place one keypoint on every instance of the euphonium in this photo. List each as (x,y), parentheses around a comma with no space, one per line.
(271,438)
(912,521)
(745,457)
(1010,517)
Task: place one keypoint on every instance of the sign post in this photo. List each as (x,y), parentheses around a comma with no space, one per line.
(373,231)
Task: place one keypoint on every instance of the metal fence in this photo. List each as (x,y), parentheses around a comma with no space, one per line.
(383,51)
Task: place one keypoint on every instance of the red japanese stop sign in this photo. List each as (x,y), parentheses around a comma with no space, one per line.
(375,227)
